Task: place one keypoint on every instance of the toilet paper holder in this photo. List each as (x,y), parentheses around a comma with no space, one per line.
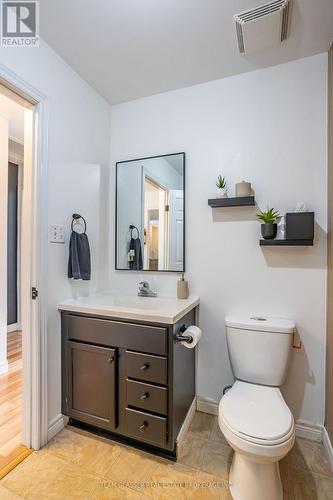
(180,337)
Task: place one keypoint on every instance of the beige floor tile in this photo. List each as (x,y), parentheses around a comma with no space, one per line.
(217,459)
(66,444)
(309,455)
(216,434)
(92,453)
(98,457)
(304,484)
(212,493)
(33,475)
(132,465)
(211,487)
(8,495)
(108,491)
(176,481)
(171,480)
(324,487)
(191,451)
(202,425)
(286,480)
(71,483)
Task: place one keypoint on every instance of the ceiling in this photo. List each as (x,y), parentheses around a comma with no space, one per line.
(127,49)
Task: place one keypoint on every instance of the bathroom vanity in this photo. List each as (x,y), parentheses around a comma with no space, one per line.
(123,372)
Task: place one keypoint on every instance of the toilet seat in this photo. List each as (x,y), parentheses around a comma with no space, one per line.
(256,414)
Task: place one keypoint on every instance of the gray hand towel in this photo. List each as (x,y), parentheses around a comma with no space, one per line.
(79,262)
(137,261)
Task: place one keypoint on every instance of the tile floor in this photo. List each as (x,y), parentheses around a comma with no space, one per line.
(78,465)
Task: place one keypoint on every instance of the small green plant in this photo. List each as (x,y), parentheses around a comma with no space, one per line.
(271,216)
(221,182)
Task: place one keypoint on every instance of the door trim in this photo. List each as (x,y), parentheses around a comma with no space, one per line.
(17,159)
(34,262)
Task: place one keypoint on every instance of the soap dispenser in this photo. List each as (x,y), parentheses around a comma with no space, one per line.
(182,288)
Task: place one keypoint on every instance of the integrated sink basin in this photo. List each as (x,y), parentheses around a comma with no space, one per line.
(155,309)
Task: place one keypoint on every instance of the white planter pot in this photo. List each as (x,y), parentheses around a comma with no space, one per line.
(222,193)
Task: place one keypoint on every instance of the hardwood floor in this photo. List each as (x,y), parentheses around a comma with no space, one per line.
(11,397)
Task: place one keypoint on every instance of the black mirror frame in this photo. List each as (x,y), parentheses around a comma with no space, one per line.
(184,205)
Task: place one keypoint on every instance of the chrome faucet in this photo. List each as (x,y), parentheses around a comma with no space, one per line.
(145,291)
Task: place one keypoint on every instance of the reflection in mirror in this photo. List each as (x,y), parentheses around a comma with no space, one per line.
(150,213)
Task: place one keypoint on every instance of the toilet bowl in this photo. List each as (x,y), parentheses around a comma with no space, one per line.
(260,428)
(253,415)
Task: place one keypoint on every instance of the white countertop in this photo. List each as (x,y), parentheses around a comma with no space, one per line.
(166,310)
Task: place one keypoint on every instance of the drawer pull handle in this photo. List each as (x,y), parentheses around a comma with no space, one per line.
(146,395)
(111,359)
(143,427)
(144,367)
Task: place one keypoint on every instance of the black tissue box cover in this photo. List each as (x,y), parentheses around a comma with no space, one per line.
(299,225)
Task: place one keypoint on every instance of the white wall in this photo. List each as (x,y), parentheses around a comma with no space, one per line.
(78,143)
(268,127)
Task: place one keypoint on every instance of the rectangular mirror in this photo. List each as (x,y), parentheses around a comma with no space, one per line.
(150,213)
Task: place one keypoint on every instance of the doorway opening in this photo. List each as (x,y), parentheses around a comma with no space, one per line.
(156,225)
(22,258)
(11,358)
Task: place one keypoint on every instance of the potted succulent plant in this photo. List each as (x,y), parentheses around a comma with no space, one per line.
(221,184)
(269,221)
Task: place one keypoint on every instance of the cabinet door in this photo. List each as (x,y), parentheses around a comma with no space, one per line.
(91,389)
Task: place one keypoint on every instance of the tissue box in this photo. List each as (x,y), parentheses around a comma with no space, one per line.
(300,225)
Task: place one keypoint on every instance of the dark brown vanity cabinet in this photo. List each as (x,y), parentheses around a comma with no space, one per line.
(130,379)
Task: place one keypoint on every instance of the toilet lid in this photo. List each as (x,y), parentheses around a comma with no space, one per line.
(257,411)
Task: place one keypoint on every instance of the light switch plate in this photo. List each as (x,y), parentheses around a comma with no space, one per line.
(57,233)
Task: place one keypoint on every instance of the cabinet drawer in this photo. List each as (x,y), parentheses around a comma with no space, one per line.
(146,396)
(146,367)
(145,427)
(116,333)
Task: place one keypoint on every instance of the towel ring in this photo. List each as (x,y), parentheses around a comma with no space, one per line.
(75,219)
(134,227)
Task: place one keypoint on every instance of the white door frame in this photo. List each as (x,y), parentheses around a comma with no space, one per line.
(34,262)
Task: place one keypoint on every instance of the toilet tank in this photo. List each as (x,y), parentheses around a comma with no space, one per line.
(259,348)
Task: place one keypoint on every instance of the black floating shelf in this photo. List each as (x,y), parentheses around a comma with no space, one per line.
(285,243)
(239,201)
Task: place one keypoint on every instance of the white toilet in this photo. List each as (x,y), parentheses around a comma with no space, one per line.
(253,415)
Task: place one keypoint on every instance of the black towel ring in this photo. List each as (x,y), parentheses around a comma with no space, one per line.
(75,219)
(131,229)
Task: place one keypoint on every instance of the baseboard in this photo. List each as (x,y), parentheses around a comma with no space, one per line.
(12,328)
(310,431)
(207,405)
(56,425)
(187,422)
(328,447)
(4,367)
(303,429)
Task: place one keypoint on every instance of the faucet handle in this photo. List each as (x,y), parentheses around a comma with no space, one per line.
(144,284)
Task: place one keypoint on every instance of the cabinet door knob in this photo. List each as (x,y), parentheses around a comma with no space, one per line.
(144,367)
(143,427)
(111,359)
(145,395)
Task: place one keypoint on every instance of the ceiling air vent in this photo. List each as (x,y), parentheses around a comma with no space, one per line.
(264,26)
